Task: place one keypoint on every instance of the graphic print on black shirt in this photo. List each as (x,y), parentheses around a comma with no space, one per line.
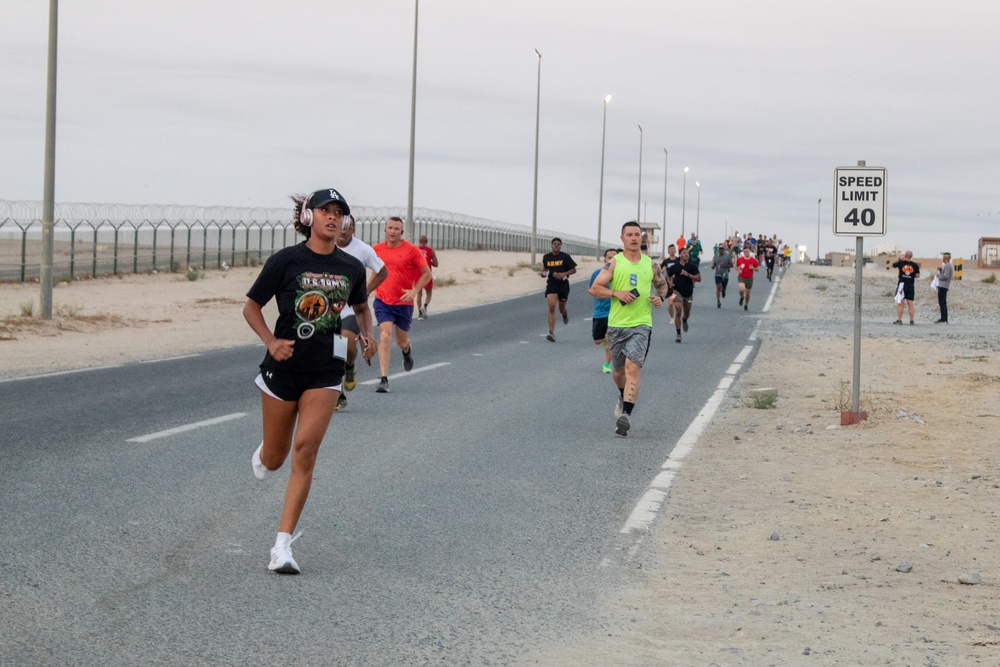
(318,303)
(558,262)
(311,290)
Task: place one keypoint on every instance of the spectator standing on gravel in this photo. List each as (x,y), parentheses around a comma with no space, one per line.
(943,277)
(909,271)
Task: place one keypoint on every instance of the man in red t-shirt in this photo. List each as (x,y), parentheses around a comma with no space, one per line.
(432,260)
(393,306)
(746,266)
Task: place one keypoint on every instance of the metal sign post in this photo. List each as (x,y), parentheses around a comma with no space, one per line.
(859,210)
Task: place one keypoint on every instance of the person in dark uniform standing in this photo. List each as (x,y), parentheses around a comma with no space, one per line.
(909,271)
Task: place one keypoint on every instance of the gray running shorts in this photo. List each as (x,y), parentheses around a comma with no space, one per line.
(350,323)
(631,342)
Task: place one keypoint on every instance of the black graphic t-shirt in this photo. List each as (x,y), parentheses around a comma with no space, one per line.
(310,290)
(683,285)
(557,262)
(908,270)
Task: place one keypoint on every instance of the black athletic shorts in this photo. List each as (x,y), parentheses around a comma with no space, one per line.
(599,327)
(559,287)
(290,386)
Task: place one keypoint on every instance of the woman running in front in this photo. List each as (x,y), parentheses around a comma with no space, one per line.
(300,377)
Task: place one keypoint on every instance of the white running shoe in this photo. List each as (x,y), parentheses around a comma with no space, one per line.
(619,407)
(281,555)
(260,471)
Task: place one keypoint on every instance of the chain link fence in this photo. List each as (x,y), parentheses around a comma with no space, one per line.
(92,240)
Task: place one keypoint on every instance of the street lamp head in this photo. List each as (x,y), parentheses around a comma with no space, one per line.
(686,169)
(607,99)
(538,54)
(697,184)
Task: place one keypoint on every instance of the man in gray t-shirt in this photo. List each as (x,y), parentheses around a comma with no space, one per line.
(722,263)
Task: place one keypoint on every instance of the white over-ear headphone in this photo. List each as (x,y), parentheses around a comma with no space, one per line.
(306,214)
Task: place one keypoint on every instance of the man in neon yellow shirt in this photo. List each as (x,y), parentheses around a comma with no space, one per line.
(628,280)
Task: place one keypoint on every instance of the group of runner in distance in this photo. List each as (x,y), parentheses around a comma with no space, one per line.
(630,285)
(321,287)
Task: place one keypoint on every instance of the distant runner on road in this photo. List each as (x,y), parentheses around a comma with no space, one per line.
(432,260)
(557,267)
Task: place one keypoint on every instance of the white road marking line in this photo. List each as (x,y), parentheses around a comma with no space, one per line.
(182,356)
(406,373)
(58,373)
(645,511)
(648,507)
(94,368)
(770,297)
(187,427)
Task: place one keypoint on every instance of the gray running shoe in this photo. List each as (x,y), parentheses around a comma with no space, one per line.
(622,425)
(383,386)
(619,407)
(549,337)
(565,318)
(407,361)
(684,325)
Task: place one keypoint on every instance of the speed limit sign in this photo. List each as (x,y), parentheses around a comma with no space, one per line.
(859,201)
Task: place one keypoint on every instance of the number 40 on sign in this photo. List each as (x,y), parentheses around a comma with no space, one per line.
(859,201)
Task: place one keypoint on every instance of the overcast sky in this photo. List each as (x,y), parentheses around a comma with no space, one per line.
(243,102)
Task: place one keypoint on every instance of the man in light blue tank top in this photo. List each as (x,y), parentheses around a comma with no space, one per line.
(628,280)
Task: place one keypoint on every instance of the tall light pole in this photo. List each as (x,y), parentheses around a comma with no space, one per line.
(666,158)
(638,203)
(684,193)
(697,216)
(534,204)
(49,179)
(818,202)
(413,123)
(600,196)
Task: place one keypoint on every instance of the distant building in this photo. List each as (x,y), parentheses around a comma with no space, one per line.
(989,253)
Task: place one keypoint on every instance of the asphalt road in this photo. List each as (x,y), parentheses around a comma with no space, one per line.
(466,517)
